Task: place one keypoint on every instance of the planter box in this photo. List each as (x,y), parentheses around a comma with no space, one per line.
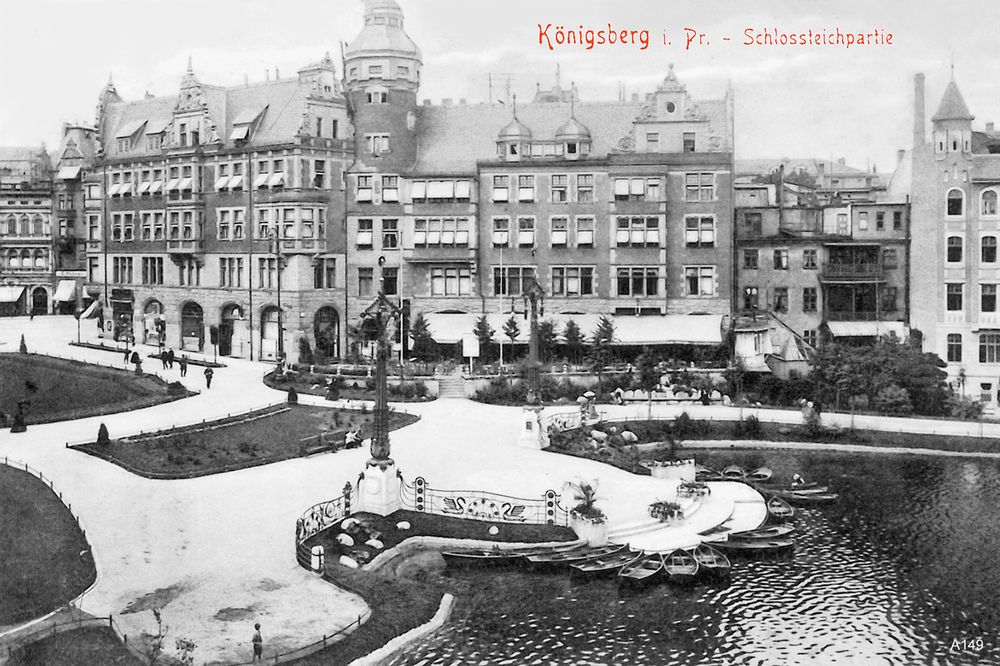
(596,534)
(684,471)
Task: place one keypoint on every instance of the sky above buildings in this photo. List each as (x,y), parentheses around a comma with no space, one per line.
(825,101)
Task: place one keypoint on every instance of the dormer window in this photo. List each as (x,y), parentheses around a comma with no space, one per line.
(512,149)
(688,142)
(183,135)
(571,149)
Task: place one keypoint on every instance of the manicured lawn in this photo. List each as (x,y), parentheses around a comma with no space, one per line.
(41,567)
(97,646)
(61,389)
(245,441)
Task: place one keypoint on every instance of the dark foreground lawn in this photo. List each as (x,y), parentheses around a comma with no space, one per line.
(92,646)
(41,567)
(61,389)
(246,441)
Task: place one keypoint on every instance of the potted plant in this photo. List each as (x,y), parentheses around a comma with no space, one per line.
(588,521)
(666,512)
(693,489)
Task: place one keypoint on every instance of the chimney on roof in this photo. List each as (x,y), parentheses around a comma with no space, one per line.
(461,101)
(842,161)
(989,127)
(446,101)
(918,110)
(900,154)
(277,75)
(635,97)
(267,75)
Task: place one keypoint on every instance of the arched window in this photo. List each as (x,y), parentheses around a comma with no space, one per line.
(25,258)
(40,259)
(954,249)
(955,202)
(989,250)
(13,259)
(989,202)
(37,226)
(11,227)
(25,226)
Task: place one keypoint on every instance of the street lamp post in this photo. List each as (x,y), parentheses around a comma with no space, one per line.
(276,251)
(533,297)
(375,321)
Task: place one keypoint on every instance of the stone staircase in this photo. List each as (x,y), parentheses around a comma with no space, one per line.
(451,385)
(621,533)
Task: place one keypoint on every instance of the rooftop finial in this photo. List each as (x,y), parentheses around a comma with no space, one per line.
(111,82)
(190,66)
(514,97)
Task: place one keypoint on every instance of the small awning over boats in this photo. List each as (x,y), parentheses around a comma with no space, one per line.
(66,291)
(866,329)
(11,294)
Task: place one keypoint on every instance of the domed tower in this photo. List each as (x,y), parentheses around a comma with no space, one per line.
(513,140)
(575,138)
(382,74)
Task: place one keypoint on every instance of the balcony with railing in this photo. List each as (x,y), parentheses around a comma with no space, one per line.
(854,315)
(186,242)
(852,272)
(420,254)
(303,245)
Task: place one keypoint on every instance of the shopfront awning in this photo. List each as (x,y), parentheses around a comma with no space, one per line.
(11,294)
(866,329)
(68,173)
(65,292)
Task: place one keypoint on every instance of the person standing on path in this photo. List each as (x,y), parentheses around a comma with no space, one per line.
(258,641)
(128,355)
(208,377)
(163,358)
(182,364)
(170,359)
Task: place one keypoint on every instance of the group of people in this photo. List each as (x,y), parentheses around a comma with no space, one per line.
(168,358)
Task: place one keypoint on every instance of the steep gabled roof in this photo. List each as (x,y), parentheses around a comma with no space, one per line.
(952,105)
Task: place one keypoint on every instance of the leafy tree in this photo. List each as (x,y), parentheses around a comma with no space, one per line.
(585,496)
(424,347)
(484,333)
(600,349)
(893,400)
(511,329)
(546,340)
(647,376)
(575,342)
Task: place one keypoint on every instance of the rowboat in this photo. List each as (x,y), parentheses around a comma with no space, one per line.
(810,489)
(779,509)
(711,561)
(810,498)
(575,545)
(734,472)
(605,564)
(641,569)
(760,474)
(681,566)
(478,556)
(769,532)
(755,545)
(576,555)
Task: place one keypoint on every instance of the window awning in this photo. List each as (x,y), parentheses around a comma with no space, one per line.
(261,180)
(126,187)
(440,189)
(155,187)
(68,173)
(11,294)
(66,291)
(185,184)
(462,189)
(113,190)
(236,182)
(144,187)
(621,187)
(129,128)
(221,183)
(172,185)
(866,329)
(276,179)
(419,189)
(240,133)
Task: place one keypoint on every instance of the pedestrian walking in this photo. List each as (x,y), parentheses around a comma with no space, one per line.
(170,359)
(163,358)
(258,641)
(182,364)
(208,377)
(137,360)
(128,355)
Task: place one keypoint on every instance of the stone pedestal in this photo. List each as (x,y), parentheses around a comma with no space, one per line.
(532,435)
(379,489)
(595,534)
(682,469)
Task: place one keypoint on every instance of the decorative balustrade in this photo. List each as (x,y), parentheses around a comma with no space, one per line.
(853,271)
(479,505)
(325,514)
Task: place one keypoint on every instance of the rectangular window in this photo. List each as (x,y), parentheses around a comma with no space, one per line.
(93,270)
(752,223)
(451,281)
(842,224)
(699,187)
(525,232)
(377,143)
(510,280)
(365,233)
(989,250)
(267,272)
(699,280)
(364,188)
(809,259)
(146,226)
(688,142)
(954,249)
(889,295)
(572,281)
(390,234)
(231,272)
(122,270)
(954,347)
(390,188)
(750,260)
(325,274)
(880,220)
(559,231)
(501,231)
(152,270)
(94,227)
(989,347)
(809,299)
(890,257)
(637,231)
(988,301)
(224,224)
(652,189)
(954,297)
(153,141)
(560,189)
(638,281)
(501,190)
(585,232)
(699,231)
(863,220)
(585,188)
(781,299)
(652,142)
(897,219)
(751,298)
(525,188)
(390,281)
(781,260)
(366,279)
(811,336)
(159,231)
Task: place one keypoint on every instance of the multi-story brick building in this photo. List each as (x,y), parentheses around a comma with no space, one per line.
(956,224)
(26,267)
(75,160)
(621,208)
(215,215)
(836,271)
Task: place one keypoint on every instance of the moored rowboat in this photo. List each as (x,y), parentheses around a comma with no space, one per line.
(769,532)
(760,474)
(641,569)
(734,472)
(681,566)
(578,555)
(779,509)
(755,545)
(478,556)
(711,561)
(606,563)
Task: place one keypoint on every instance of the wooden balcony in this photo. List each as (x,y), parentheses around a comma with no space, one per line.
(186,246)
(857,272)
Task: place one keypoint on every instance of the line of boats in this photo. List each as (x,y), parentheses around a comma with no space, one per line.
(760,479)
(630,566)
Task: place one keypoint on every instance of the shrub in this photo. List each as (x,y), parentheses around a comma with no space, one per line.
(102,436)
(683,426)
(370,384)
(500,392)
(893,400)
(664,511)
(176,388)
(293,396)
(967,409)
(748,428)
(23,348)
(305,351)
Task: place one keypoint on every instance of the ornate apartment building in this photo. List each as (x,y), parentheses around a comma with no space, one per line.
(956,225)
(621,208)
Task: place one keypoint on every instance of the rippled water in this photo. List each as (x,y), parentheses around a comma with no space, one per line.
(895,572)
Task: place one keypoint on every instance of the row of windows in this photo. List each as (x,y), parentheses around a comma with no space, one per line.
(23,226)
(987,249)
(810,299)
(269,173)
(189,272)
(954,297)
(989,347)
(955,202)
(751,259)
(272,222)
(27,259)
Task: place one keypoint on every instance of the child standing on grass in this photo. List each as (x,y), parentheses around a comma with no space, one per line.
(258,642)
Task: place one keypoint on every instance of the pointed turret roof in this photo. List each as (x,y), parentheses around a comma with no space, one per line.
(952,105)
